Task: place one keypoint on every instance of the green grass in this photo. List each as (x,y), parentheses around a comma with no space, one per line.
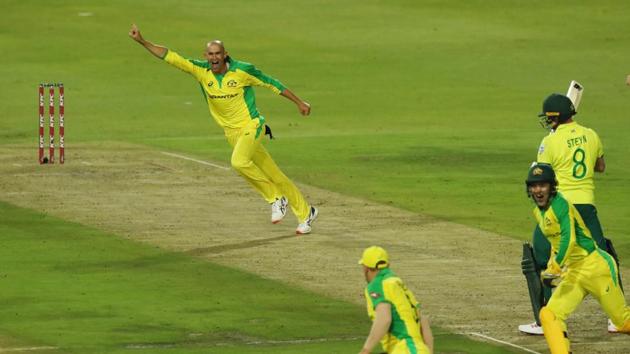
(426,105)
(429,105)
(85,291)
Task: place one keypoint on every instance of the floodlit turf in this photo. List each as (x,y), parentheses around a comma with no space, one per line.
(84,291)
(426,105)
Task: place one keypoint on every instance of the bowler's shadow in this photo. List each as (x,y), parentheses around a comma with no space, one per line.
(235,246)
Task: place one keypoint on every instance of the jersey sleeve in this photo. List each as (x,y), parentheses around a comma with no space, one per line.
(565,217)
(193,67)
(258,78)
(544,153)
(376,294)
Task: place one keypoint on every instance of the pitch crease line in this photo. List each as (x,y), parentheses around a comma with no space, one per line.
(503,342)
(195,160)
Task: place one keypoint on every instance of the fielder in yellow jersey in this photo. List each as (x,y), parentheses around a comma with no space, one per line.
(393,308)
(227,86)
(576,265)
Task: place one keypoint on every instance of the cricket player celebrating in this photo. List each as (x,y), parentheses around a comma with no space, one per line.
(395,313)
(575,153)
(227,87)
(577,266)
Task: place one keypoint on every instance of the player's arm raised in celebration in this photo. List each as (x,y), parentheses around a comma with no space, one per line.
(167,55)
(157,50)
(258,78)
(382,321)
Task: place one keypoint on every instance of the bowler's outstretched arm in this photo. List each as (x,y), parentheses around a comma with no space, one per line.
(157,50)
(303,106)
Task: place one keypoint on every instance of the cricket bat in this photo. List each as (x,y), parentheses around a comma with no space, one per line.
(575,93)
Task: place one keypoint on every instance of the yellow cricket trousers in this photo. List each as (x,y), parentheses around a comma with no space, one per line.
(252,161)
(596,275)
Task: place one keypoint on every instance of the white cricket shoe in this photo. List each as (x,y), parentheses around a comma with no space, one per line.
(531,328)
(611,327)
(305,227)
(279,210)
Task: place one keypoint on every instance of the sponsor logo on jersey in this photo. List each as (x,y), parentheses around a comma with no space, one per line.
(232,95)
(210,83)
(541,149)
(232,83)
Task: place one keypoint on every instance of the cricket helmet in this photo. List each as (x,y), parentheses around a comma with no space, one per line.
(375,257)
(556,108)
(541,172)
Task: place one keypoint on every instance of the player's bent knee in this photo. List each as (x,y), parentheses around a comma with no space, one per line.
(240,164)
(546,315)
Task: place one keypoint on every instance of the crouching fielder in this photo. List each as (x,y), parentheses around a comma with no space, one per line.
(576,265)
(395,313)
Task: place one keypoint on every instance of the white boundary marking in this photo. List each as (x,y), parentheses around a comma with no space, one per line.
(26,349)
(195,160)
(504,342)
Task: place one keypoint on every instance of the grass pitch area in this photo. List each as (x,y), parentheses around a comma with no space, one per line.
(428,106)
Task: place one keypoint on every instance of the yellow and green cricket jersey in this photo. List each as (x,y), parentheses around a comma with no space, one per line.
(387,287)
(563,226)
(230,96)
(572,151)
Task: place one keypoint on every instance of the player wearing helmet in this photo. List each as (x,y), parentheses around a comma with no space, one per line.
(576,265)
(575,153)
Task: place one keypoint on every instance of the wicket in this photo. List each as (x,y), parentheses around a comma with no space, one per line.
(51,121)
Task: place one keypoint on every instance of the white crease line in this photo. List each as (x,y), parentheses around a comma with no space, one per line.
(86,163)
(26,349)
(504,342)
(195,160)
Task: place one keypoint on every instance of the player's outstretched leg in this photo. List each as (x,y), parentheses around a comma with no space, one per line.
(555,332)
(245,143)
(605,287)
(305,213)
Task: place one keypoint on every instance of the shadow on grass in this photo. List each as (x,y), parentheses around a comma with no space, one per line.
(236,246)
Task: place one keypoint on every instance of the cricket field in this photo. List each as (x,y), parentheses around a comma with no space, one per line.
(423,126)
